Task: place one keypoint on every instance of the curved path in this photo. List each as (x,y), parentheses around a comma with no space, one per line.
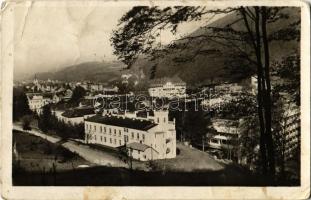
(90,154)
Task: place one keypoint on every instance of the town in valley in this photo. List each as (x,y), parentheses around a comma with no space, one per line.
(165,120)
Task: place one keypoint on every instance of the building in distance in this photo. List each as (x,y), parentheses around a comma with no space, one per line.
(167,88)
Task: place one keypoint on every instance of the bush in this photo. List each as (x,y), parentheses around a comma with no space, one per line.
(26,122)
(47,149)
(177,151)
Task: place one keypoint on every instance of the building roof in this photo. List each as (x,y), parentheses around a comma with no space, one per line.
(43,95)
(143,125)
(78,112)
(137,146)
(161,81)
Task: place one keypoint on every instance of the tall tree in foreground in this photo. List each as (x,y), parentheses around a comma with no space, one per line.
(138,30)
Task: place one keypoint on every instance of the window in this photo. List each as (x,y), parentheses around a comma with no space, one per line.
(101,129)
(110,141)
(110,131)
(86,126)
(115,132)
(115,141)
(164,119)
(138,152)
(119,133)
(90,127)
(158,120)
(143,137)
(94,127)
(132,135)
(126,139)
(137,136)
(105,129)
(119,142)
(126,130)
(101,138)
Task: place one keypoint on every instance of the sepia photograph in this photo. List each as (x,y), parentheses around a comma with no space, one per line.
(156,95)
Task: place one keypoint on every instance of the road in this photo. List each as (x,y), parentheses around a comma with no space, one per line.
(92,155)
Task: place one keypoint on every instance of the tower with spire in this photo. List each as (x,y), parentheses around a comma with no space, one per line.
(35,81)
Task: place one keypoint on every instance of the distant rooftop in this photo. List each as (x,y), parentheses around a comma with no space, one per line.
(78,112)
(143,125)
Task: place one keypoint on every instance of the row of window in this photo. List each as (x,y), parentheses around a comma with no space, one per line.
(114,131)
(106,140)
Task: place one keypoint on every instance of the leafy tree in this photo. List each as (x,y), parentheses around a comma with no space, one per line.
(20,104)
(288,69)
(44,119)
(138,30)
(77,94)
(26,122)
(196,126)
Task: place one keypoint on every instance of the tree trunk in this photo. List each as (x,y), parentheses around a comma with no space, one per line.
(260,95)
(267,95)
(256,42)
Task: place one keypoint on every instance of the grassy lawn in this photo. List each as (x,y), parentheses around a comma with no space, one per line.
(189,159)
(37,155)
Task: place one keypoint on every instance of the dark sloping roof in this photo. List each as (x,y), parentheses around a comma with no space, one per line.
(78,112)
(137,146)
(143,125)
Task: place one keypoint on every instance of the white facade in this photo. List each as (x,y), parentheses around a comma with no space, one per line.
(168,89)
(290,126)
(157,141)
(227,131)
(36,102)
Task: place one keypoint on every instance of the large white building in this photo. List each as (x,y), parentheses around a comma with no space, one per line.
(150,138)
(168,88)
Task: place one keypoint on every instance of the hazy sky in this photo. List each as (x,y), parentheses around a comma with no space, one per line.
(49,36)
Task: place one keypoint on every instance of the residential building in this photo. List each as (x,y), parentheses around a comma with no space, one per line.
(227,88)
(168,88)
(150,138)
(95,87)
(288,130)
(76,115)
(227,132)
(291,129)
(112,89)
(37,100)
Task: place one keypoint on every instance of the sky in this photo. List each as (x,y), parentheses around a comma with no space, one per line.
(51,36)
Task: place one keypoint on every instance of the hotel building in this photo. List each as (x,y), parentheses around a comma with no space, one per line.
(167,87)
(149,138)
